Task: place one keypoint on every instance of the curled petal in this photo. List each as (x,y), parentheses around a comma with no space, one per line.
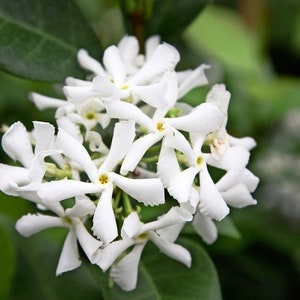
(164,58)
(105,88)
(105,257)
(172,250)
(69,257)
(219,96)
(174,216)
(125,272)
(68,125)
(9,174)
(247,142)
(44,102)
(151,43)
(124,133)
(167,165)
(148,191)
(114,64)
(16,144)
(137,151)
(128,111)
(212,205)
(44,136)
(204,118)
(129,49)
(88,243)
(83,207)
(205,227)
(238,196)
(131,226)
(180,187)
(171,233)
(153,94)
(104,222)
(234,158)
(79,93)
(76,151)
(89,63)
(193,79)
(31,224)
(55,191)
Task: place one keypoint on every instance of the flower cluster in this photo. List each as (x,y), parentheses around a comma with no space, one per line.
(125,142)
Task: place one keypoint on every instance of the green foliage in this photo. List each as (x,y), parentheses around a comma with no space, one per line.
(40,41)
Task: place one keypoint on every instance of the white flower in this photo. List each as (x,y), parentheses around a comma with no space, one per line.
(134,233)
(71,218)
(102,180)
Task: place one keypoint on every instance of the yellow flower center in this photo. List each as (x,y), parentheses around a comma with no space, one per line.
(90,115)
(160,126)
(103,179)
(200,160)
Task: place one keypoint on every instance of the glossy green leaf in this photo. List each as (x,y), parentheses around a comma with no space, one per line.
(7,263)
(171,17)
(39,39)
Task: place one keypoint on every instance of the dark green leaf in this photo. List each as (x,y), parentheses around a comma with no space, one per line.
(7,264)
(40,39)
(171,17)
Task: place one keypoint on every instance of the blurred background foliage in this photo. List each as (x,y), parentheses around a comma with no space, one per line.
(253,46)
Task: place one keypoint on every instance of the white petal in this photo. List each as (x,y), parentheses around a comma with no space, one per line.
(164,58)
(16,144)
(233,177)
(123,135)
(127,111)
(204,118)
(219,96)
(234,158)
(238,196)
(178,141)
(9,174)
(89,63)
(95,142)
(76,82)
(83,207)
(125,272)
(69,257)
(137,151)
(105,257)
(167,165)
(114,64)
(180,187)
(131,226)
(44,135)
(88,243)
(148,191)
(76,151)
(174,216)
(105,88)
(193,79)
(171,233)
(43,102)
(211,204)
(38,166)
(63,189)
(70,127)
(174,251)
(79,93)
(205,227)
(129,49)
(104,222)
(153,94)
(151,43)
(31,224)
(246,142)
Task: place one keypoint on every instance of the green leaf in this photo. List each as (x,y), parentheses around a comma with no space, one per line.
(7,264)
(227,228)
(222,35)
(171,17)
(39,40)
(163,278)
